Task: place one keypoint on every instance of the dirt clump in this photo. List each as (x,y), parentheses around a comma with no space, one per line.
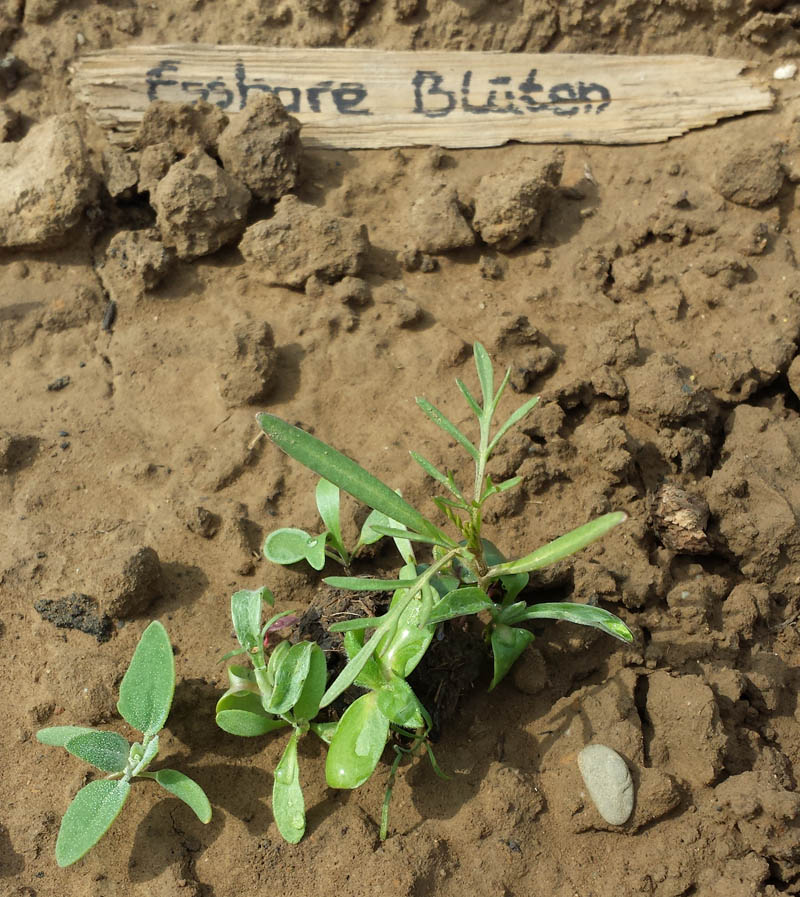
(120,174)
(184,126)
(199,207)
(300,241)
(46,182)
(135,585)
(510,206)
(752,176)
(135,262)
(155,161)
(261,147)
(247,362)
(76,611)
(680,519)
(437,222)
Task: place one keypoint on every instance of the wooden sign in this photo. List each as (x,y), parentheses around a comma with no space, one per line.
(373,98)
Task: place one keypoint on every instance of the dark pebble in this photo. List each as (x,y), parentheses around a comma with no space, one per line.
(65,445)
(59,383)
(63,432)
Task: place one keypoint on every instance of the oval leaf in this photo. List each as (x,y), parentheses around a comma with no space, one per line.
(286,546)
(357,744)
(247,724)
(88,818)
(105,750)
(187,790)
(307,705)
(345,473)
(145,695)
(288,806)
(460,603)
(397,702)
(246,614)
(58,736)
(562,547)
(507,645)
(290,678)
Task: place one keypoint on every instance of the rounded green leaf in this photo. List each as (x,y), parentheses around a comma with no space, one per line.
(58,736)
(307,705)
(287,546)
(358,743)
(88,818)
(241,713)
(247,724)
(397,702)
(288,805)
(105,750)
(507,644)
(290,677)
(145,695)
(460,603)
(187,790)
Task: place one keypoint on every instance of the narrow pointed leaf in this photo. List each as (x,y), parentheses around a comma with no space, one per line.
(583,614)
(460,603)
(437,475)
(471,400)
(276,659)
(307,705)
(562,547)
(500,390)
(288,805)
(185,789)
(368,536)
(246,614)
(327,496)
(290,678)
(395,533)
(145,695)
(507,644)
(105,750)
(448,426)
(515,418)
(341,470)
(58,736)
(88,818)
(497,488)
(363,584)
(483,365)
(513,584)
(358,743)
(357,624)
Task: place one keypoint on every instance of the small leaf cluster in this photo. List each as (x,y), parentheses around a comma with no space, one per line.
(145,698)
(465,575)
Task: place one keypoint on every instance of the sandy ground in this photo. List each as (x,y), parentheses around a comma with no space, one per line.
(656,309)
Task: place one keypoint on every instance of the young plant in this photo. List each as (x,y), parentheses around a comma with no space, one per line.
(466,575)
(145,698)
(277,692)
(290,545)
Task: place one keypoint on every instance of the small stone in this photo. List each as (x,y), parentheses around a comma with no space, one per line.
(608,781)
(679,519)
(186,126)
(129,592)
(751,176)
(437,222)
(119,172)
(59,383)
(154,162)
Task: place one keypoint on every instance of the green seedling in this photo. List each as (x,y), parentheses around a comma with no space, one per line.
(277,692)
(145,698)
(290,545)
(466,575)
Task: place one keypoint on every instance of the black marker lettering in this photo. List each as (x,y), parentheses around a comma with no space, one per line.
(559,93)
(154,79)
(585,92)
(219,86)
(434,89)
(348,95)
(243,88)
(526,88)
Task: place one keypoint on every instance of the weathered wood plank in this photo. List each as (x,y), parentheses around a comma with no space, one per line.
(353,98)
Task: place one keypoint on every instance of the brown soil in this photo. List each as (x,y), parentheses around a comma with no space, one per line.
(655,306)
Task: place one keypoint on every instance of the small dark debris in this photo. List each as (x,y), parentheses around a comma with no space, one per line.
(65,445)
(59,383)
(110,315)
(512,845)
(63,433)
(41,554)
(76,611)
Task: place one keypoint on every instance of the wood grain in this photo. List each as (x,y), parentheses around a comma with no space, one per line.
(353,98)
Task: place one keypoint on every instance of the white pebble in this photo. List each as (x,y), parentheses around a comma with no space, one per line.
(784,72)
(608,782)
